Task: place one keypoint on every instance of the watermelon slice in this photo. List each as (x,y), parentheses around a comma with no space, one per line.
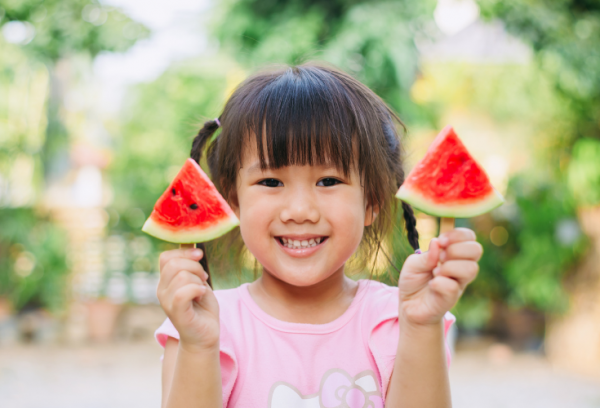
(448,182)
(190,210)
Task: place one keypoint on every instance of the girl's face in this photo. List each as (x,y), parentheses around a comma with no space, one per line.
(302,223)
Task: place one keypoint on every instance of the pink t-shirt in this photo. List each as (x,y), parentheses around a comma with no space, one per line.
(270,363)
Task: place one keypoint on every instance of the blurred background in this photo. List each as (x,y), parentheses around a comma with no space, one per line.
(99,102)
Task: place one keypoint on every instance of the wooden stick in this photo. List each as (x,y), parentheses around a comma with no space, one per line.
(446,224)
(203,260)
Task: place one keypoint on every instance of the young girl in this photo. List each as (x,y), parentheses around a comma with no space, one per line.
(309,159)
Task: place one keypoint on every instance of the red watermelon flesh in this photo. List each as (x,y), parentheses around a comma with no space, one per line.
(190,210)
(448,182)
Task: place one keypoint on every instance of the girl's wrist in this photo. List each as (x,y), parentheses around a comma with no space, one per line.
(199,349)
(413,326)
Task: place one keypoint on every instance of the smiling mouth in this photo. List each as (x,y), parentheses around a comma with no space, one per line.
(301,243)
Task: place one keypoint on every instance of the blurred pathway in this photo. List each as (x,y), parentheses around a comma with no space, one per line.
(128,376)
(112,376)
(518,381)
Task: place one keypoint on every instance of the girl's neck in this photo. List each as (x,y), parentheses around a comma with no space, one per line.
(317,304)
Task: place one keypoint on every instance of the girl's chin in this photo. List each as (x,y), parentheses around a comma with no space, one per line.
(300,278)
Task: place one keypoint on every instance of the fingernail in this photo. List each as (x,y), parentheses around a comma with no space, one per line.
(196,252)
(442,256)
(205,275)
(443,240)
(436,271)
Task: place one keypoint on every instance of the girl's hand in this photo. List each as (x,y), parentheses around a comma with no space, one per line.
(431,283)
(187,299)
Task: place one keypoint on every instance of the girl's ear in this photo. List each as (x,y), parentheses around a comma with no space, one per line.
(371,213)
(234,204)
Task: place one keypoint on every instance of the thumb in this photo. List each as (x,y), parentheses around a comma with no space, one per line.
(425,262)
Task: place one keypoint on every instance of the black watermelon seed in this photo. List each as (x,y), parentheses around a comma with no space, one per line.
(173,191)
(194,206)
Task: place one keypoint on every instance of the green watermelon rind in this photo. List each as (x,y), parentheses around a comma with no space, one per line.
(461,210)
(191,235)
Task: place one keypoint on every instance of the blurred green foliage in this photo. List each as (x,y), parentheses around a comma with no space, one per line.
(64,29)
(526,268)
(23,88)
(33,269)
(32,128)
(67,27)
(564,35)
(530,269)
(373,40)
(584,171)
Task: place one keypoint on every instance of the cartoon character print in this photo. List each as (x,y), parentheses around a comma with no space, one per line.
(338,390)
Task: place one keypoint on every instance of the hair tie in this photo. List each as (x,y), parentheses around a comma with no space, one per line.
(418,251)
(218,123)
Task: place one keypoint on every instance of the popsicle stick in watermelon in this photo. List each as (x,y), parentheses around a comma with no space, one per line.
(449,183)
(191,211)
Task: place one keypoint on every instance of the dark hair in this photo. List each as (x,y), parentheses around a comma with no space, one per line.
(312,114)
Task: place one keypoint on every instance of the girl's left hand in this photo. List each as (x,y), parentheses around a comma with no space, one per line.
(431,283)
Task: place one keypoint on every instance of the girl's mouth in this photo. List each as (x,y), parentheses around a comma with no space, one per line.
(301,243)
(301,246)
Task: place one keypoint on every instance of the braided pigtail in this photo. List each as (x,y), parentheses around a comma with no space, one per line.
(393,143)
(204,134)
(411,226)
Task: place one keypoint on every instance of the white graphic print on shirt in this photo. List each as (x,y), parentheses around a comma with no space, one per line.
(338,390)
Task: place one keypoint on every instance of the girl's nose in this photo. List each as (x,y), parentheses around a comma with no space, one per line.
(300,207)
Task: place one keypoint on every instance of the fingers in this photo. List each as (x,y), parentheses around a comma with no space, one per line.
(183,278)
(468,250)
(447,288)
(192,253)
(433,254)
(456,235)
(184,295)
(176,265)
(463,272)
(167,289)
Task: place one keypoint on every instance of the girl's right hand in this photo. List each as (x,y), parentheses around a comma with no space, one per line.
(187,299)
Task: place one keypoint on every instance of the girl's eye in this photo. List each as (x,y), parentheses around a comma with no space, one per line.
(270,182)
(328,182)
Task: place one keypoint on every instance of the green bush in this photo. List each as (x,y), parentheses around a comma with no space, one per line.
(531,244)
(33,270)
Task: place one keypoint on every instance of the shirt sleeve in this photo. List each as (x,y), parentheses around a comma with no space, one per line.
(229,366)
(384,334)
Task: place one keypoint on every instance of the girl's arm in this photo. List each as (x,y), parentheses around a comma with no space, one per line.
(190,378)
(430,285)
(420,376)
(191,365)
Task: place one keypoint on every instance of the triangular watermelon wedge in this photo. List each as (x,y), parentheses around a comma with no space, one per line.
(190,210)
(448,182)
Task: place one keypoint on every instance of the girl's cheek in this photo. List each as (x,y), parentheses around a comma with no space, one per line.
(346,216)
(255,216)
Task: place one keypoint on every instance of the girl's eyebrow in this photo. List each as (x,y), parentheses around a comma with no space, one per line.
(255,168)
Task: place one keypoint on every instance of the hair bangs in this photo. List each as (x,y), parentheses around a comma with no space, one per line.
(303,117)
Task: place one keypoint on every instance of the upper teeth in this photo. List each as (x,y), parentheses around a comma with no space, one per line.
(305,243)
